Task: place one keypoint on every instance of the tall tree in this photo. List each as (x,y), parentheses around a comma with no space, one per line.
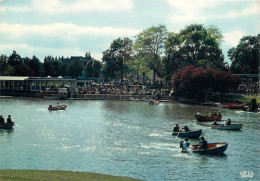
(119,52)
(245,57)
(36,66)
(93,68)
(194,45)
(149,44)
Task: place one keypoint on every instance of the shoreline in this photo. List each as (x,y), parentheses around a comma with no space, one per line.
(61,175)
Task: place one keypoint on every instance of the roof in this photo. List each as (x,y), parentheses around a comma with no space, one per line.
(13,78)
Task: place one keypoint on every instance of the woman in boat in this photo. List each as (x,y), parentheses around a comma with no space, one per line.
(203,144)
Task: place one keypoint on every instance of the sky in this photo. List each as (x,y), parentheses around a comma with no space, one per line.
(73,27)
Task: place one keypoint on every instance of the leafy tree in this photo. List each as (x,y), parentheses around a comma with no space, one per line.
(14,59)
(93,68)
(36,66)
(75,69)
(149,45)
(119,52)
(196,82)
(4,65)
(245,57)
(194,45)
(23,70)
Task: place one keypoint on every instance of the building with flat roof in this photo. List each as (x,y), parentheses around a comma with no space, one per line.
(34,83)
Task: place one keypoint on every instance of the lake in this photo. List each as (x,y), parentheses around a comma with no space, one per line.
(124,138)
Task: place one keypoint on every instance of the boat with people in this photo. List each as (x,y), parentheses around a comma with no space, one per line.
(227,126)
(201,118)
(6,125)
(188,134)
(213,148)
(235,106)
(56,108)
(153,102)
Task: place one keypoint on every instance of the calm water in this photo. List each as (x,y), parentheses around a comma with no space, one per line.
(124,138)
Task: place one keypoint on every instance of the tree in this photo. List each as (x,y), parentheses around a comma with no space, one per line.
(195,45)
(36,66)
(4,65)
(196,82)
(149,44)
(93,68)
(23,70)
(119,52)
(245,57)
(74,69)
(14,59)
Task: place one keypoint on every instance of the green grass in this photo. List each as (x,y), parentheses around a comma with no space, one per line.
(41,175)
(244,99)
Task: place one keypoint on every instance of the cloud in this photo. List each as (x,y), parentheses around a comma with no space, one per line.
(233,37)
(65,30)
(78,6)
(189,11)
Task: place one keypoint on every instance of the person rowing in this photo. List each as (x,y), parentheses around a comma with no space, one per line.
(203,144)
(176,128)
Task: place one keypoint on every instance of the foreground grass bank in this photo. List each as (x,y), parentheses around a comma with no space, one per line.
(41,175)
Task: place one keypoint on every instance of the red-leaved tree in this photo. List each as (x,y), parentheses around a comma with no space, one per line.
(196,82)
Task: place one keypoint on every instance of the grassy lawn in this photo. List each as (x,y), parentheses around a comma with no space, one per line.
(244,99)
(41,175)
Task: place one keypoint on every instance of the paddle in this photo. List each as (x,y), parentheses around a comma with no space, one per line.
(178,133)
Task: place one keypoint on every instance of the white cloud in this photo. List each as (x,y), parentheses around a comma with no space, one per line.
(189,11)
(65,30)
(233,37)
(79,6)
(57,6)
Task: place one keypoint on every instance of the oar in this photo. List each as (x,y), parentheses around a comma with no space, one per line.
(178,134)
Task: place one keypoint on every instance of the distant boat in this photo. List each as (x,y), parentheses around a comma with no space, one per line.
(189,134)
(213,148)
(6,126)
(56,108)
(227,127)
(153,102)
(201,118)
(236,106)
(56,97)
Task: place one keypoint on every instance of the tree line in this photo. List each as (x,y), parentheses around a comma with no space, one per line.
(14,65)
(154,52)
(157,52)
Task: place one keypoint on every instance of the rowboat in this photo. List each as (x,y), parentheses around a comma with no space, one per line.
(201,118)
(227,127)
(236,106)
(56,108)
(213,148)
(188,134)
(6,126)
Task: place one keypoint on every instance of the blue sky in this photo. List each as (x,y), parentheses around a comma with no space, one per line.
(71,28)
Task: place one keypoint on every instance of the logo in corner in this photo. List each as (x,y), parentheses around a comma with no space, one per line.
(247,174)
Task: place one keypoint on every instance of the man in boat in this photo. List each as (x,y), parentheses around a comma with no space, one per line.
(186,128)
(176,128)
(228,122)
(198,113)
(2,120)
(215,122)
(219,114)
(203,144)
(9,120)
